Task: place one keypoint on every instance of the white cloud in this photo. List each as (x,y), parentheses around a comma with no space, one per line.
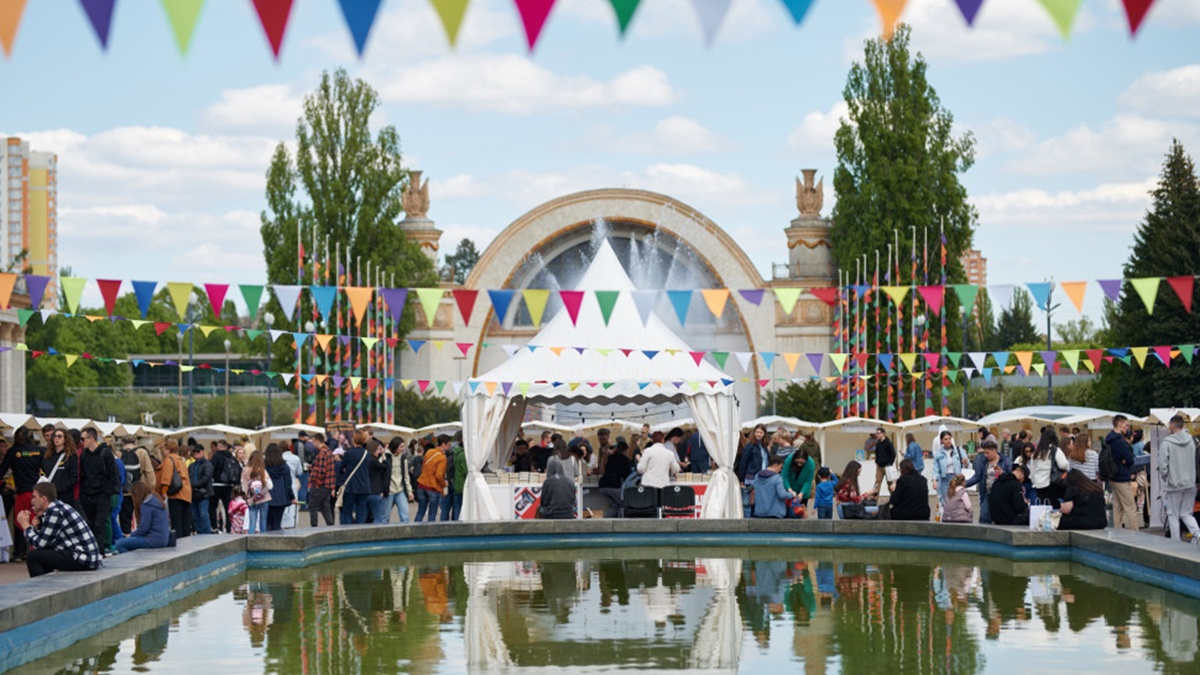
(675,135)
(746,19)
(270,109)
(1000,136)
(411,29)
(814,136)
(1126,146)
(1165,93)
(513,83)
(1108,207)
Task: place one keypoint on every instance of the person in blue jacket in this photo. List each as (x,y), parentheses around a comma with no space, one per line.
(770,497)
(1124,511)
(154,525)
(354,474)
(989,465)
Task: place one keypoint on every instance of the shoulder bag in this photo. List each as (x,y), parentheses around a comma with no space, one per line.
(337,505)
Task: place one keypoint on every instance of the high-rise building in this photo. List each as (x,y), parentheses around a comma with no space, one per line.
(29,213)
(976,266)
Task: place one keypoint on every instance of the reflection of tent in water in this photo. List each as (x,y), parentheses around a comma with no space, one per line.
(656,627)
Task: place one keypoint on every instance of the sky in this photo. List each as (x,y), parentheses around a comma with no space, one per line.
(162,158)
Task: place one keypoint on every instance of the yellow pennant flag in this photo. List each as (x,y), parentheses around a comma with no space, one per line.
(71,358)
(787,298)
(207,330)
(791,360)
(94,319)
(360,297)
(1071,356)
(523,387)
(429,298)
(369,343)
(1075,290)
(1039,368)
(320,379)
(180,292)
(557,350)
(1147,290)
(896,293)
(1089,365)
(354,382)
(1139,353)
(889,14)
(716,298)
(839,361)
(909,360)
(535,302)
(438,344)
(451,13)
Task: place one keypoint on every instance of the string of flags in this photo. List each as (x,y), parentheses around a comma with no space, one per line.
(183,16)
(360,298)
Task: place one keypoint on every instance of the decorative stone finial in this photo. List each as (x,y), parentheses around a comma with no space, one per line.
(415,198)
(810,198)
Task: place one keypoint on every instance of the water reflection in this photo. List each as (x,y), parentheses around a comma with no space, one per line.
(663,610)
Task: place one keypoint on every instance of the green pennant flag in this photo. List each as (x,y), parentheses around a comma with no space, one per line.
(624,10)
(430,299)
(966,296)
(720,358)
(451,13)
(1188,351)
(1147,290)
(253,334)
(607,300)
(1063,12)
(1071,356)
(72,288)
(252,293)
(183,14)
(24,314)
(954,357)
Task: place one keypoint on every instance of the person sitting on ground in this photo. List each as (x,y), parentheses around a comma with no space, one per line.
(957,507)
(154,524)
(798,473)
(770,496)
(1006,501)
(910,494)
(1082,504)
(59,538)
(558,494)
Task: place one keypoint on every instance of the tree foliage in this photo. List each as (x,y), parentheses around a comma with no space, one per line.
(460,263)
(1015,325)
(811,401)
(417,410)
(1166,244)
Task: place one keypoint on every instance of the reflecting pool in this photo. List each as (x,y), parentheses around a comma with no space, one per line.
(661,610)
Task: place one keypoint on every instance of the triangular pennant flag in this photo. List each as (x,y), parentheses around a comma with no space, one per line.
(323,297)
(1147,290)
(323,341)
(697,356)
(743,359)
(369,342)
(889,14)
(933,296)
(792,359)
(624,10)
(7,281)
(272,335)
(535,303)
(10,20)
(1094,356)
(753,296)
(909,360)
(1136,10)
(301,338)
(109,290)
(533,17)
(1001,295)
(885,360)
(1075,290)
(355,382)
(987,374)
(711,13)
(360,16)
(720,358)
(1041,293)
(839,361)
(288,297)
(969,9)
(715,299)
(896,293)
(1139,353)
(429,298)
(451,13)
(607,300)
(251,293)
(1164,355)
(787,299)
(680,300)
(572,301)
(1111,288)
(72,288)
(35,285)
(933,359)
(953,358)
(23,316)
(466,303)
(207,330)
(182,14)
(274,14)
(1048,357)
(47,313)
(1063,12)
(253,334)
(763,383)
(650,353)
(161,327)
(826,294)
(1071,357)
(71,358)
(1001,359)
(768,359)
(463,347)
(645,302)
(180,292)
(797,9)
(216,296)
(1039,368)
(500,301)
(394,298)
(977,358)
(99,13)
(1188,352)
(966,296)
(360,298)
(1183,290)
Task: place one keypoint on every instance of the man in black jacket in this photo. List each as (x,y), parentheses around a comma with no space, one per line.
(1006,500)
(226,474)
(200,472)
(98,483)
(885,456)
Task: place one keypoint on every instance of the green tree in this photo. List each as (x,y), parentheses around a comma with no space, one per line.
(1166,244)
(460,263)
(1081,332)
(811,401)
(899,165)
(1015,325)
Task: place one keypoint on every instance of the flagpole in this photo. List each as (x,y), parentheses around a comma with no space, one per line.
(913,293)
(838,336)
(878,342)
(945,350)
(927,377)
(300,319)
(891,410)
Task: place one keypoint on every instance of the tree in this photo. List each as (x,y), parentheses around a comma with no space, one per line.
(810,401)
(1166,244)
(898,163)
(460,263)
(1080,333)
(1015,325)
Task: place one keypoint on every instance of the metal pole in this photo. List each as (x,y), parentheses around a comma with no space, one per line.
(228,344)
(192,372)
(179,339)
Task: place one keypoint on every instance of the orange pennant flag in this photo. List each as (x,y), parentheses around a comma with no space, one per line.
(1026,360)
(10,20)
(715,298)
(1075,290)
(360,297)
(323,341)
(791,360)
(889,14)
(7,281)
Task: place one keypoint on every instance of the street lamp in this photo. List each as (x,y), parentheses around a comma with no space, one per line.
(228,345)
(179,338)
(1049,345)
(191,318)
(269,319)
(309,328)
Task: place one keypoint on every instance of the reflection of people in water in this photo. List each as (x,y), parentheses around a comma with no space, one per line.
(257,615)
(434,582)
(559,588)
(149,645)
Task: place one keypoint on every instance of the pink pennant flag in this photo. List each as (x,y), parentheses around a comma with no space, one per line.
(1164,354)
(466,303)
(1183,288)
(533,15)
(274,15)
(109,290)
(933,296)
(463,347)
(933,359)
(216,296)
(572,300)
(697,357)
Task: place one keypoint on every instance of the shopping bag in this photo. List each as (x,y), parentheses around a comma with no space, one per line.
(1039,515)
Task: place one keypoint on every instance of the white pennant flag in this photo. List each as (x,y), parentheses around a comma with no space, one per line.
(456,385)
(645,301)
(287,377)
(744,359)
(47,313)
(275,334)
(1001,295)
(977,358)
(511,349)
(711,14)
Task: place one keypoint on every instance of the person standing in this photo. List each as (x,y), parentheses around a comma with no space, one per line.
(59,537)
(60,465)
(885,456)
(1177,473)
(1123,507)
(178,492)
(354,481)
(380,475)
(752,460)
(989,465)
(456,481)
(98,484)
(282,494)
(200,472)
(432,482)
(256,485)
(616,470)
(226,474)
(399,487)
(948,462)
(24,458)
(914,453)
(322,480)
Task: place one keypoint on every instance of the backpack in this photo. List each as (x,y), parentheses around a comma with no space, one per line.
(176,480)
(258,492)
(133,468)
(231,473)
(1108,464)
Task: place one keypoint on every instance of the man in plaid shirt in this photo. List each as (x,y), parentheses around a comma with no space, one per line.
(59,538)
(322,480)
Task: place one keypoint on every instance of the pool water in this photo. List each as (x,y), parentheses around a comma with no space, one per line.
(662,610)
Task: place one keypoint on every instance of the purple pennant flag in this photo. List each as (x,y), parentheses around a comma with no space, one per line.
(395,299)
(969,9)
(100,13)
(815,360)
(36,285)
(1048,356)
(1111,287)
(753,296)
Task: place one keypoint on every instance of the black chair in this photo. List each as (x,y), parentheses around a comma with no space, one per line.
(641,502)
(678,501)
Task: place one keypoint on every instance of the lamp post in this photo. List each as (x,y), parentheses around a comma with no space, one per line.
(309,328)
(191,318)
(1049,345)
(228,345)
(269,319)
(179,339)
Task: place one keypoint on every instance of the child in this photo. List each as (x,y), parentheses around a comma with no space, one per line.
(824,502)
(237,511)
(957,508)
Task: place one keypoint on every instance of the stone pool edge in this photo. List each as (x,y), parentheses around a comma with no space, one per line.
(41,616)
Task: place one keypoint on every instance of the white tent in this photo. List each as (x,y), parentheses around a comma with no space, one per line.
(658,369)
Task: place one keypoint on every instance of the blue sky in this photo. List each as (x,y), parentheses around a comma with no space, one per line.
(162,159)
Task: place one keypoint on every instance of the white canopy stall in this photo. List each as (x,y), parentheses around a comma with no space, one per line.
(592,368)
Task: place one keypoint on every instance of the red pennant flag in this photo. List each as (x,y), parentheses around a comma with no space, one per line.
(697,357)
(1136,11)
(161,327)
(392,342)
(827,295)
(533,15)
(626,351)
(933,296)
(109,288)
(466,303)
(1183,288)
(1164,354)
(274,14)
(216,296)
(463,347)
(1095,356)
(572,300)
(763,383)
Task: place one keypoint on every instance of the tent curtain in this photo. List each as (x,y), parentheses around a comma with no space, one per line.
(513,419)
(483,417)
(716,420)
(718,643)
(484,641)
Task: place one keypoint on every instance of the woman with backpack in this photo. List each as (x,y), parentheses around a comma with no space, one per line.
(174,483)
(256,485)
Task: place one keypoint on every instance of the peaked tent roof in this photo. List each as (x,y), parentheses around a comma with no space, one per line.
(659,369)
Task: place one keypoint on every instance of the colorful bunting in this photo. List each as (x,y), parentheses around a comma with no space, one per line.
(716,298)
(607,300)
(1147,290)
(360,297)
(1075,290)
(787,299)
(889,14)
(216,297)
(572,301)
(99,13)
(289,297)
(1041,293)
(1136,11)
(1001,295)
(72,288)
(1111,288)
(966,296)
(1183,290)
(394,298)
(8,280)
(933,297)
(826,294)
(535,302)
(109,290)
(10,20)
(35,285)
(500,302)
(323,297)
(645,302)
(251,293)
(897,294)
(466,303)
(183,15)
(274,15)
(969,9)
(680,300)
(1063,12)
(533,16)
(181,292)
(360,16)
(798,9)
(711,13)
(753,296)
